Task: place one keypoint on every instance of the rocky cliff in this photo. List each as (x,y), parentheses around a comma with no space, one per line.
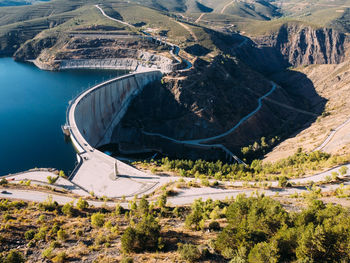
(50,52)
(295,44)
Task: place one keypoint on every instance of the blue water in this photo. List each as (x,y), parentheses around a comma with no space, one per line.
(32,109)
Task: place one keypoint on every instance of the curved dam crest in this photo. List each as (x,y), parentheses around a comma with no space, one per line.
(91,118)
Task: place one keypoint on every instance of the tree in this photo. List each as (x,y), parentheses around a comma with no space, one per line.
(264,253)
(145,236)
(188,252)
(143,205)
(128,240)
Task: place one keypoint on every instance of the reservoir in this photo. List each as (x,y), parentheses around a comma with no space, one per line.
(32,109)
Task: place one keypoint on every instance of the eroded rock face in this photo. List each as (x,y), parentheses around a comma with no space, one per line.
(49,52)
(295,45)
(305,45)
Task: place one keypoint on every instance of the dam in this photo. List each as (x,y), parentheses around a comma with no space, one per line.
(91,117)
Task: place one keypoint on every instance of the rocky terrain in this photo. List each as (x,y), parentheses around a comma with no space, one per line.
(295,44)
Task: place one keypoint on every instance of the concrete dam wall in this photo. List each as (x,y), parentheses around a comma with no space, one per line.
(100,109)
(91,118)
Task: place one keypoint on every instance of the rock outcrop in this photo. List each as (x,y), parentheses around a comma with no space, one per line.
(295,44)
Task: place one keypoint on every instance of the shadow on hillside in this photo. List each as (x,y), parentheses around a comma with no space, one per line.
(296,86)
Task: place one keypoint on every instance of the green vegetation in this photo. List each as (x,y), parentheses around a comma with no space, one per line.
(266,231)
(296,165)
(244,229)
(52,179)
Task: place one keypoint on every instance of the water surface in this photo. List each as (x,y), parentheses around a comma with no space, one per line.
(32,109)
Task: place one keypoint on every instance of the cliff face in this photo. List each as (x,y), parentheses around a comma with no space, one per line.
(304,45)
(294,45)
(49,52)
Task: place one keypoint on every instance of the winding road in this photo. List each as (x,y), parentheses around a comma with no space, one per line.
(174,48)
(331,135)
(186,196)
(199,142)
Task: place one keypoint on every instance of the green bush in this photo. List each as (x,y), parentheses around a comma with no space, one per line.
(268,233)
(48,205)
(188,252)
(68,209)
(62,174)
(61,235)
(14,256)
(97,219)
(145,236)
(47,253)
(128,240)
(41,235)
(60,257)
(282,181)
(29,235)
(3,181)
(52,179)
(82,204)
(127,260)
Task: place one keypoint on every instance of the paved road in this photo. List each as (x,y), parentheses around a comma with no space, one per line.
(331,135)
(184,197)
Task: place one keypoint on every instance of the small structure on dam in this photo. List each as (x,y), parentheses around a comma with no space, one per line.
(91,118)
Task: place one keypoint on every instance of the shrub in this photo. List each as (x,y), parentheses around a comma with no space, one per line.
(61,235)
(143,206)
(3,181)
(188,252)
(14,256)
(343,170)
(41,235)
(67,209)
(97,220)
(29,235)
(62,174)
(282,181)
(127,260)
(82,204)
(60,257)
(145,236)
(264,253)
(55,244)
(119,209)
(47,253)
(48,205)
(52,179)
